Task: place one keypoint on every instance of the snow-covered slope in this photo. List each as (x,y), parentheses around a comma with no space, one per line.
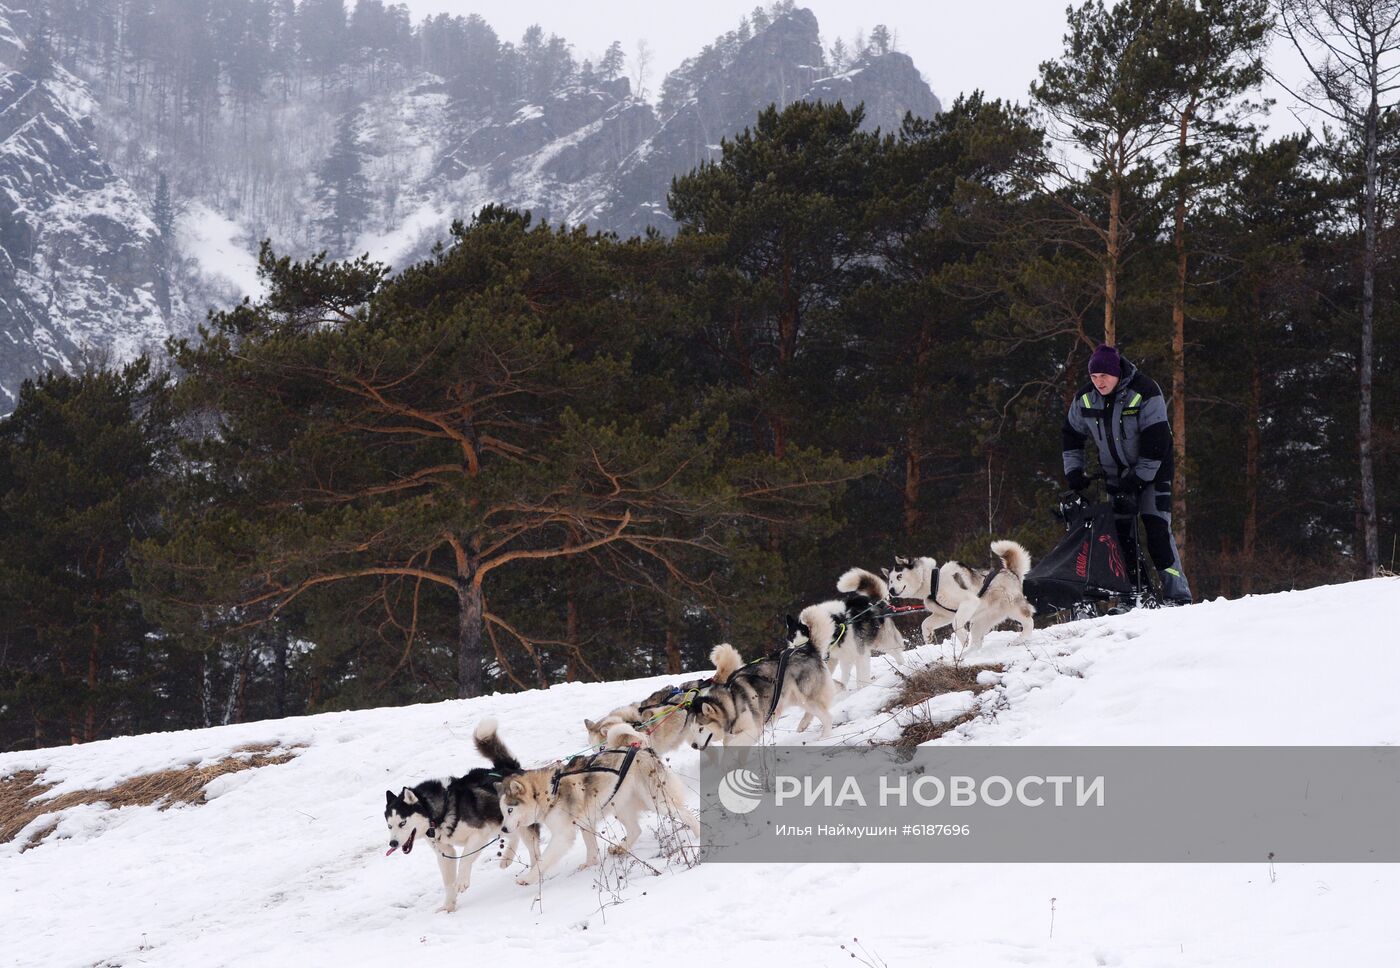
(285,864)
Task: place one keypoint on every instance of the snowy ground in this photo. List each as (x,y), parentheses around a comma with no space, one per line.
(285,864)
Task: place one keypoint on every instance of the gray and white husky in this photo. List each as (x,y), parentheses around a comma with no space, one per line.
(463,812)
(742,700)
(972,600)
(850,629)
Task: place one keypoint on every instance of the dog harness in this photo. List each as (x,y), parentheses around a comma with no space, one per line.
(649,725)
(883,610)
(590,765)
(933,592)
(996,569)
(783,658)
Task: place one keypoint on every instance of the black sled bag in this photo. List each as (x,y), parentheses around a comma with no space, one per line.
(1088,564)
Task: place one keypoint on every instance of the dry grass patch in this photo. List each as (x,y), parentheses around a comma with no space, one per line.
(19,808)
(935,680)
(930,682)
(922,729)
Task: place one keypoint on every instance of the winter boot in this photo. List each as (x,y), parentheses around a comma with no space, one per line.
(1175,591)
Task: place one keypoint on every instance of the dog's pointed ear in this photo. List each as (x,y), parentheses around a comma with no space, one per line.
(590,725)
(901,561)
(408,796)
(389,797)
(514,787)
(793,626)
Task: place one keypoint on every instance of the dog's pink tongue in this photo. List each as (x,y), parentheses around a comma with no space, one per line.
(391,850)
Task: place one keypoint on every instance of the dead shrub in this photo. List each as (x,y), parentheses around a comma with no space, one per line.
(927,683)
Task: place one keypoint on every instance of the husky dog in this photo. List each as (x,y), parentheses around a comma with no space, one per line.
(464,812)
(565,798)
(848,630)
(737,707)
(660,717)
(973,600)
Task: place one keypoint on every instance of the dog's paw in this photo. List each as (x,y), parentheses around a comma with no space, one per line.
(447,907)
(617,850)
(505,862)
(524,880)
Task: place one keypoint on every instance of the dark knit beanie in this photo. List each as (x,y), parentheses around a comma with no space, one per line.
(1106,360)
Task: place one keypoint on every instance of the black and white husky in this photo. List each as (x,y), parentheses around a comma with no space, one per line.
(848,630)
(972,600)
(744,698)
(463,812)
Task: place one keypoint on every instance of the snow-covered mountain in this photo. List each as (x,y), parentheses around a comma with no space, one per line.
(80,273)
(86,271)
(285,863)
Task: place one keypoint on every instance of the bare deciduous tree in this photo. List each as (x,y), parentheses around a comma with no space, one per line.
(1352,52)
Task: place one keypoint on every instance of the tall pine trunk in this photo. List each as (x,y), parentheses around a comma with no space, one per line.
(1371,538)
(469,654)
(1110,272)
(1251,461)
(1179,349)
(914,452)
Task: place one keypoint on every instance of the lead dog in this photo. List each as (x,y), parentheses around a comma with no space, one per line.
(849,630)
(573,797)
(464,813)
(972,600)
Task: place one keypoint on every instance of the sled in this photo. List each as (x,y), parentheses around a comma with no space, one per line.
(1090,566)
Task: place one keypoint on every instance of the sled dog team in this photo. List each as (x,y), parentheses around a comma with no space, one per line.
(622,775)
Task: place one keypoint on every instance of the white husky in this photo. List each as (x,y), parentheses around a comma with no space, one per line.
(973,600)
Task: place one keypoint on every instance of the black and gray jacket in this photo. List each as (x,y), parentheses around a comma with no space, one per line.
(1129,426)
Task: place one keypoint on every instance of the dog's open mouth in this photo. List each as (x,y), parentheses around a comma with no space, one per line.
(407,844)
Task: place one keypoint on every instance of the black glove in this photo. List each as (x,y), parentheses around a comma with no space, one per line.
(1125,493)
(1077,479)
(1125,502)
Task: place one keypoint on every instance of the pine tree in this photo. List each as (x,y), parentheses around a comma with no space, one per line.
(614,62)
(455,431)
(1218,48)
(787,205)
(880,39)
(1107,94)
(343,193)
(840,57)
(82,464)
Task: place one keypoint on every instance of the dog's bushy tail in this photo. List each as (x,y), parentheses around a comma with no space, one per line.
(1016,558)
(489,745)
(867,583)
(624,734)
(727,661)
